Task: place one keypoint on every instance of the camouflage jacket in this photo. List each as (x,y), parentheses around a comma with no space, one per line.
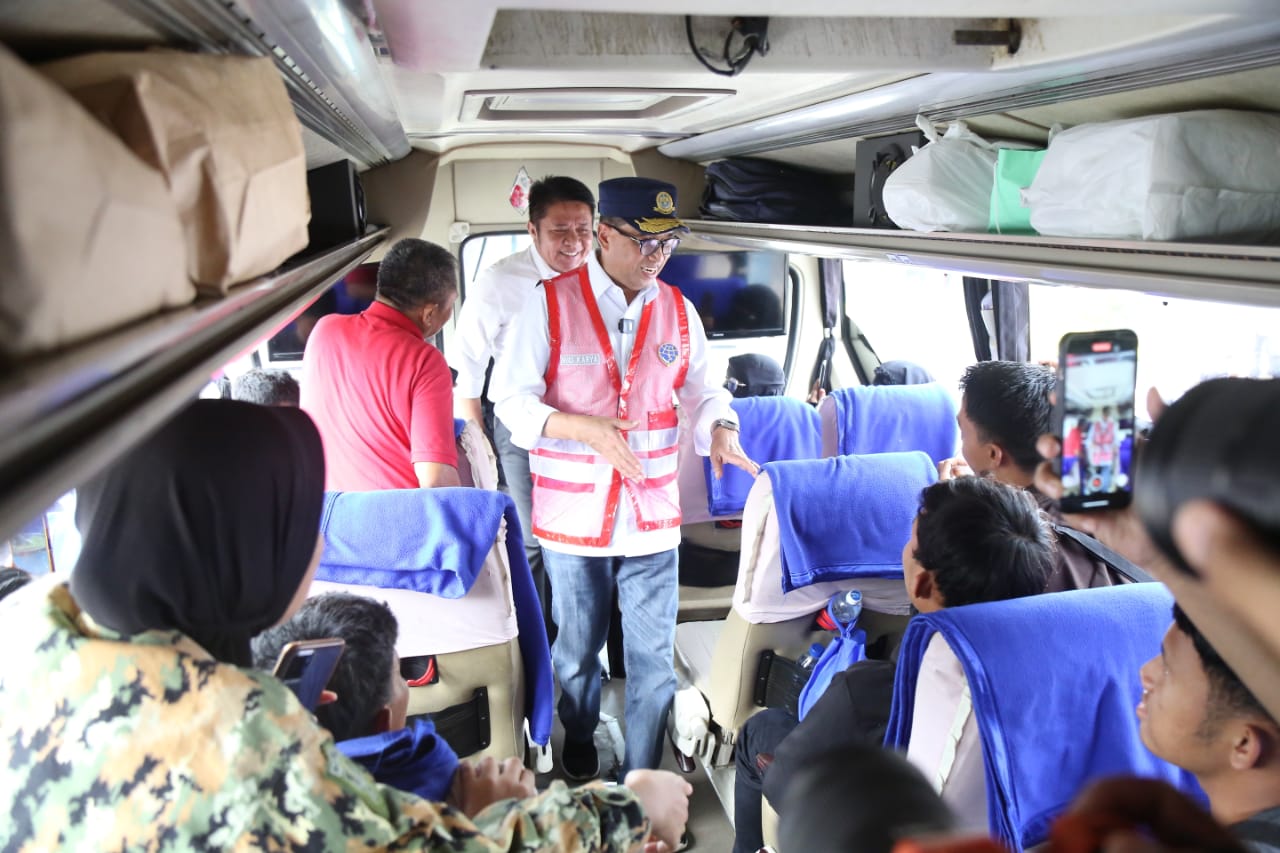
(148,743)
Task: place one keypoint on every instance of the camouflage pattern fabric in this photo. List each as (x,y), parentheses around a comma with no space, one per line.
(148,743)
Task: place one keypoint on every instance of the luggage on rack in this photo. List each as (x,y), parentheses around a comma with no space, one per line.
(747,189)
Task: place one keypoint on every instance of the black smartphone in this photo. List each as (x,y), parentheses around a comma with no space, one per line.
(305,666)
(1097,374)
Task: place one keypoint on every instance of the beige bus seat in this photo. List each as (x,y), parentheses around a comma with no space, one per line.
(470,648)
(773,429)
(1012,707)
(724,660)
(477,462)
(889,418)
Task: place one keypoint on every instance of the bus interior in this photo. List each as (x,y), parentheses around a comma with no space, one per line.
(444,109)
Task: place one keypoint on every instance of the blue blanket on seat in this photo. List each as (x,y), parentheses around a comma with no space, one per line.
(1054,682)
(846,516)
(889,418)
(773,429)
(413,759)
(435,541)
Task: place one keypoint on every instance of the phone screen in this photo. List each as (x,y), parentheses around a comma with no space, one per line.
(1097,375)
(306,667)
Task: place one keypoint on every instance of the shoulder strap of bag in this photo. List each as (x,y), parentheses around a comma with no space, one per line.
(1114,560)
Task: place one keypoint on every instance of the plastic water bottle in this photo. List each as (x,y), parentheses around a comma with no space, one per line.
(846,607)
(809,659)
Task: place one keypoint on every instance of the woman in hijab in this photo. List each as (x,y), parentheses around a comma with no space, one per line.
(132,719)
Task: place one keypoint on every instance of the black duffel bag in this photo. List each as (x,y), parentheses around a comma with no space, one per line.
(746,189)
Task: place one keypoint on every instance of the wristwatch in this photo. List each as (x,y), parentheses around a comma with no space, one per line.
(723,423)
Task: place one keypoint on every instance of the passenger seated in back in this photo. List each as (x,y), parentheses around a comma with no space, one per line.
(974,540)
(754,375)
(1197,714)
(371,696)
(266,388)
(1004,411)
(12,579)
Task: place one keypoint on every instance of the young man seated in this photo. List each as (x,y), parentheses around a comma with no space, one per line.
(1003,412)
(1197,714)
(369,698)
(973,540)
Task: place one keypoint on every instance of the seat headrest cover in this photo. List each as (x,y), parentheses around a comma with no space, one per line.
(1054,682)
(894,418)
(427,540)
(773,429)
(846,516)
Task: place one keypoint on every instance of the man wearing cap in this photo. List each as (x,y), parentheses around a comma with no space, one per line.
(587,383)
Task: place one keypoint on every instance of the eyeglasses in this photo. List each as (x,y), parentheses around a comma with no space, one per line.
(649,245)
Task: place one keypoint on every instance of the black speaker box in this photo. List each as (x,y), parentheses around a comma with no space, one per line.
(874,160)
(337,206)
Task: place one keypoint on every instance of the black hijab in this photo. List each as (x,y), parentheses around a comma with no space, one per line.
(207,528)
(901,373)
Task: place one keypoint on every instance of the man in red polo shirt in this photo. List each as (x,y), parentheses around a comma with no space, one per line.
(381,395)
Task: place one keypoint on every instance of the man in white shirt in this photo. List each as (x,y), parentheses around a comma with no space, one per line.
(561,213)
(587,382)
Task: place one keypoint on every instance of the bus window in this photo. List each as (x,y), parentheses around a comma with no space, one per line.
(482,251)
(913,314)
(47,543)
(1180,341)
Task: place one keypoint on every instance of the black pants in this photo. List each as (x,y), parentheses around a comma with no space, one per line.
(758,740)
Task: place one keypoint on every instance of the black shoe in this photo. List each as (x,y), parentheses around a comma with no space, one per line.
(580,761)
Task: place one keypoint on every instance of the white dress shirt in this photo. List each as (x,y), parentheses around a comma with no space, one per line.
(517,389)
(493,300)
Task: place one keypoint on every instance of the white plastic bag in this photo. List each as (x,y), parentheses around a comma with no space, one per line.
(1208,174)
(946,186)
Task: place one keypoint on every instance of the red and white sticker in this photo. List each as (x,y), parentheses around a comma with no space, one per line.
(519,197)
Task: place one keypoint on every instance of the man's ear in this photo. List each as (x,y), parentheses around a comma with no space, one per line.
(533,231)
(381,721)
(1253,746)
(995,454)
(923,586)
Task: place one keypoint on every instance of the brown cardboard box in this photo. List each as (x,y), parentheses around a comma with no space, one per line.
(89,236)
(223,133)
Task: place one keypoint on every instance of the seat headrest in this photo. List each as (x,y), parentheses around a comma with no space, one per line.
(892,418)
(773,429)
(846,516)
(427,540)
(1054,682)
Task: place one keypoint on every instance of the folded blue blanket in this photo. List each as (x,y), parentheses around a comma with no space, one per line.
(846,516)
(773,429)
(885,418)
(435,541)
(413,759)
(1054,682)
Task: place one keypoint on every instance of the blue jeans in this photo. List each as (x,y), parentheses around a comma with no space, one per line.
(758,740)
(647,597)
(515,468)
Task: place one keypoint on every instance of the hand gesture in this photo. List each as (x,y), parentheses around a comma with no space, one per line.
(479,784)
(726,449)
(665,799)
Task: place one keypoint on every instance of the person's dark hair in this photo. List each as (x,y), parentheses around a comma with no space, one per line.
(415,273)
(891,801)
(12,579)
(1228,695)
(1008,401)
(362,677)
(554,189)
(983,540)
(266,388)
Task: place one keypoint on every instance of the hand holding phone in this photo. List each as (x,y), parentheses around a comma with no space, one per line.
(305,666)
(1094,418)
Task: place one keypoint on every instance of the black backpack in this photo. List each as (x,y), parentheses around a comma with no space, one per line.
(746,189)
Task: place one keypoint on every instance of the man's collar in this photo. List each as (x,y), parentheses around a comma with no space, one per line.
(545,272)
(393,315)
(601,281)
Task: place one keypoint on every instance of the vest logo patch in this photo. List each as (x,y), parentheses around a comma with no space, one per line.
(581,358)
(668,353)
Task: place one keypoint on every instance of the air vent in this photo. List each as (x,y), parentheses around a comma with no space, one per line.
(567,104)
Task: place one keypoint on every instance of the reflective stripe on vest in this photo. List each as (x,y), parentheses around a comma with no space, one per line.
(575,491)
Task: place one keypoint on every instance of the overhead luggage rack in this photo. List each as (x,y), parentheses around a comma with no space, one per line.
(1249,274)
(66,416)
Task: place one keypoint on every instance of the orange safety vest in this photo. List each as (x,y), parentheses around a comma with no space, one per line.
(576,491)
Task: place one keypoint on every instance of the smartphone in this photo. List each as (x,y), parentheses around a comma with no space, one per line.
(305,666)
(1094,418)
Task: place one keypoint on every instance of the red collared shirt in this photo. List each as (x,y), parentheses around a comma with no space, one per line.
(381,396)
